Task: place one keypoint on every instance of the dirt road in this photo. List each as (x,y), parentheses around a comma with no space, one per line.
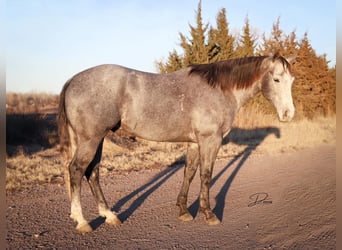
(284,201)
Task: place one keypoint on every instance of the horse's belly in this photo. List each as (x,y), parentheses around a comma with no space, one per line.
(155,131)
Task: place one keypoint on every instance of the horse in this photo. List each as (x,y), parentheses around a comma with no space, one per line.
(195,105)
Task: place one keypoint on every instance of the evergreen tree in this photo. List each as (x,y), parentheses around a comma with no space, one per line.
(246,43)
(174,63)
(220,42)
(195,47)
(187,54)
(213,47)
(291,44)
(315,82)
(273,44)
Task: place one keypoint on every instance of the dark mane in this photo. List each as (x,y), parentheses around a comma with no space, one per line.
(240,73)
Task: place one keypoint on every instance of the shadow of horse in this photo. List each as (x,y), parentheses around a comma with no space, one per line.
(30,133)
(252,138)
(148,188)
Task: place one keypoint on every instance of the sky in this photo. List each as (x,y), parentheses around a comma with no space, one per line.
(48,41)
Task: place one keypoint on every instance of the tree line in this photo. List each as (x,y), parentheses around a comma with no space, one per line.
(314,89)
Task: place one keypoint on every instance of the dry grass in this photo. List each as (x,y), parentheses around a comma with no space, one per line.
(298,134)
(31,103)
(23,170)
(33,157)
(302,134)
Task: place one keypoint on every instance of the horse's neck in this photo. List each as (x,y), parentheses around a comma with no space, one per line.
(243,95)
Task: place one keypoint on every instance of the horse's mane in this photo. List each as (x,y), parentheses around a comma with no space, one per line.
(240,73)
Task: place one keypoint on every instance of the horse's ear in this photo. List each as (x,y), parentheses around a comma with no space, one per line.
(274,55)
(291,58)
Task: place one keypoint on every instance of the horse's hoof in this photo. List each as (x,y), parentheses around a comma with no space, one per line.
(113,221)
(212,221)
(185,217)
(84,228)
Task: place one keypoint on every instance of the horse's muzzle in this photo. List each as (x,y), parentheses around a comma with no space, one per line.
(286,115)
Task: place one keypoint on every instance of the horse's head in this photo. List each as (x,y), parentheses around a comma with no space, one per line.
(277,85)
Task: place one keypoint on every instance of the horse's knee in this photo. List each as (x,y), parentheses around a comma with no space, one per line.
(192,154)
(181,198)
(78,167)
(205,176)
(92,174)
(92,170)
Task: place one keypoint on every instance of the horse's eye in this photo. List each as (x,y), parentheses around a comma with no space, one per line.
(276,80)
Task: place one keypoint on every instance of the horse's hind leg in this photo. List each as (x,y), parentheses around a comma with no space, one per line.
(84,154)
(92,174)
(191,165)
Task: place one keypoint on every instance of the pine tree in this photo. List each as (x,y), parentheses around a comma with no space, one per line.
(195,47)
(187,54)
(315,82)
(291,44)
(246,43)
(213,47)
(220,42)
(174,63)
(273,44)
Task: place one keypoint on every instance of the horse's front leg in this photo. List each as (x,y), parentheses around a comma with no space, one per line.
(191,165)
(209,147)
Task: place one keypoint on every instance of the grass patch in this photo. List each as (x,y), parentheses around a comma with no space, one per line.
(23,170)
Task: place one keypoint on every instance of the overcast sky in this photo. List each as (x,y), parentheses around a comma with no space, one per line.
(48,41)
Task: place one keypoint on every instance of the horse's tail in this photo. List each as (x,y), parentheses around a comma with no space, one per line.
(64,135)
(62,123)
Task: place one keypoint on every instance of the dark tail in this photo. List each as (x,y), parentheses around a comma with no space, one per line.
(62,123)
(64,136)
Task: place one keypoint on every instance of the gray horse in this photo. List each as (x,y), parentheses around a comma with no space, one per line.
(196,105)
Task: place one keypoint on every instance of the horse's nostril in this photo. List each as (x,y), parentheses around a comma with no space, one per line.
(286,115)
